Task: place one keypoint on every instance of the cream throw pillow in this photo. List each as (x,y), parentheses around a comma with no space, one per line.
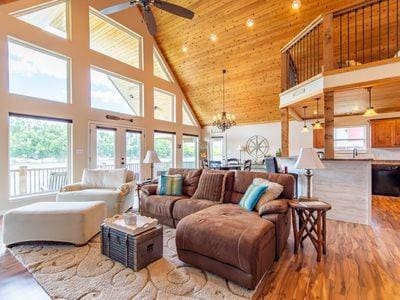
(273,191)
(96,178)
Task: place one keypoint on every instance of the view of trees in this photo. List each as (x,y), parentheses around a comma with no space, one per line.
(33,139)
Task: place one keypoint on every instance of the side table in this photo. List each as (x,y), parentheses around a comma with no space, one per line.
(312,224)
(139,186)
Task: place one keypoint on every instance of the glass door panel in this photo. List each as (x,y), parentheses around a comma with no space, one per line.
(190,151)
(133,152)
(164,145)
(105,148)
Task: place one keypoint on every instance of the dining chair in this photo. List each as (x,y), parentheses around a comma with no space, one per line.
(215,164)
(271,165)
(204,163)
(247,165)
(232,161)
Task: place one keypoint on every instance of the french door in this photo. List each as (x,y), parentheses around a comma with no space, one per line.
(114,147)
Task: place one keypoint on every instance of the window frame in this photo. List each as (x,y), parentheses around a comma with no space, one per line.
(160,60)
(11,39)
(173,135)
(173,104)
(123,28)
(119,76)
(217,137)
(36,8)
(185,109)
(197,147)
(364,150)
(69,165)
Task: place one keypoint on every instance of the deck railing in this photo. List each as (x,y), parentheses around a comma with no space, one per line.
(356,35)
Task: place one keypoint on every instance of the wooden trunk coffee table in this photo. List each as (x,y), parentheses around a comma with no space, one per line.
(312,224)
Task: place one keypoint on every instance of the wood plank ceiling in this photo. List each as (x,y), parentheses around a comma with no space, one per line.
(251,56)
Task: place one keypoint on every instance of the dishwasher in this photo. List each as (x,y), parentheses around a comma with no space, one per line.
(386,180)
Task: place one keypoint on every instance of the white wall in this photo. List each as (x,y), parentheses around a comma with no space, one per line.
(77,48)
(239,135)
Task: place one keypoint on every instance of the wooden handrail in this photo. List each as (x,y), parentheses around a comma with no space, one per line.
(303,33)
(352,8)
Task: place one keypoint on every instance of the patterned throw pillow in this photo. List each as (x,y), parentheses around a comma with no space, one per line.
(272,193)
(252,195)
(211,186)
(170,185)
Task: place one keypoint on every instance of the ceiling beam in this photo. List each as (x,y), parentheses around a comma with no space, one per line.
(295,115)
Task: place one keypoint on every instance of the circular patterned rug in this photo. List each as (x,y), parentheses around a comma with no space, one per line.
(69,272)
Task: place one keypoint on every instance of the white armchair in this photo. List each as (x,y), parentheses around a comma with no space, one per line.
(114,187)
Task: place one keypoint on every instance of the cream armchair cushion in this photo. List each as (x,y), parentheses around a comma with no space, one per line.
(114,187)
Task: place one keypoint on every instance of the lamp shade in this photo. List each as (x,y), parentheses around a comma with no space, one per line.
(151,157)
(309,160)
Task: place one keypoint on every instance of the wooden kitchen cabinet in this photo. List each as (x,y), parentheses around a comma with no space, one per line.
(385,133)
(319,138)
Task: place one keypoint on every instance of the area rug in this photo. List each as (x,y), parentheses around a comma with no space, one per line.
(69,272)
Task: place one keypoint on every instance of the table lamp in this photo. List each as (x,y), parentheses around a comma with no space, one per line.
(151,158)
(308,160)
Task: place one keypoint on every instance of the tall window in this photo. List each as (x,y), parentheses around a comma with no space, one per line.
(159,67)
(37,73)
(348,138)
(164,106)
(188,118)
(190,148)
(105,150)
(115,93)
(39,151)
(114,40)
(164,145)
(217,147)
(51,17)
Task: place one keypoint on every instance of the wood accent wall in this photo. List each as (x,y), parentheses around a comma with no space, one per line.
(251,56)
(285,131)
(329,111)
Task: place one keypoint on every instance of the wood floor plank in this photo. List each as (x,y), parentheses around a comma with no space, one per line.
(362,263)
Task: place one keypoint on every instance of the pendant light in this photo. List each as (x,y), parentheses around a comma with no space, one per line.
(317,125)
(370,112)
(305,128)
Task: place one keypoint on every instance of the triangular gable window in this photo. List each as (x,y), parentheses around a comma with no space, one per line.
(160,69)
(188,118)
(50,17)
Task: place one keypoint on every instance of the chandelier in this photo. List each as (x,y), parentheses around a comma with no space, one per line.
(223,121)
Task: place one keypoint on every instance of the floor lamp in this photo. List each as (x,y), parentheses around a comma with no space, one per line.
(308,160)
(151,158)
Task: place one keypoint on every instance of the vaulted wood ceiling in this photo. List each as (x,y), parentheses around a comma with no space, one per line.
(251,56)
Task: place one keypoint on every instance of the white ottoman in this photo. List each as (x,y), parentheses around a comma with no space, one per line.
(70,222)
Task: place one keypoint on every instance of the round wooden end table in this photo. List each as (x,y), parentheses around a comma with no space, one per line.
(312,224)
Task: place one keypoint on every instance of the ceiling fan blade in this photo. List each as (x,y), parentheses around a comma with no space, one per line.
(150,21)
(116,8)
(174,9)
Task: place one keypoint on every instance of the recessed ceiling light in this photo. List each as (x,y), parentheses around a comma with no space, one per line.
(250,22)
(296,4)
(184,48)
(213,37)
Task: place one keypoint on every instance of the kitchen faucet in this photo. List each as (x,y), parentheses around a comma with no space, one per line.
(355,152)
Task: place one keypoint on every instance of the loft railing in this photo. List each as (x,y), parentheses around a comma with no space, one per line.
(356,35)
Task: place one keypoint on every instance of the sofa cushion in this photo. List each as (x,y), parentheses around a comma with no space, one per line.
(226,233)
(230,178)
(96,178)
(273,191)
(158,205)
(211,186)
(274,207)
(185,207)
(191,179)
(252,195)
(170,185)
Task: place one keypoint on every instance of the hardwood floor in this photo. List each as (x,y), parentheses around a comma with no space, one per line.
(363,262)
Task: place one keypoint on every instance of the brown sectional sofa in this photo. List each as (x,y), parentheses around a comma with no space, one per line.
(224,238)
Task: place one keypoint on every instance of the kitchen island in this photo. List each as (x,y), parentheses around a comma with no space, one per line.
(344,183)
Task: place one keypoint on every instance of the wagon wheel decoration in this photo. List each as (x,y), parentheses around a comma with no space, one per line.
(257,147)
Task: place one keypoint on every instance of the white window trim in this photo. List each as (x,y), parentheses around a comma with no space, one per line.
(363,151)
(173,105)
(101,70)
(162,64)
(185,108)
(36,8)
(123,28)
(46,52)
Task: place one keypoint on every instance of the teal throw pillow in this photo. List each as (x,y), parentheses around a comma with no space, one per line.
(252,195)
(170,185)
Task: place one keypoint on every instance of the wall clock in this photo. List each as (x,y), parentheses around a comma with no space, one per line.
(257,147)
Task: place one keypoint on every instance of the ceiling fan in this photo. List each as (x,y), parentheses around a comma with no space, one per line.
(147,13)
